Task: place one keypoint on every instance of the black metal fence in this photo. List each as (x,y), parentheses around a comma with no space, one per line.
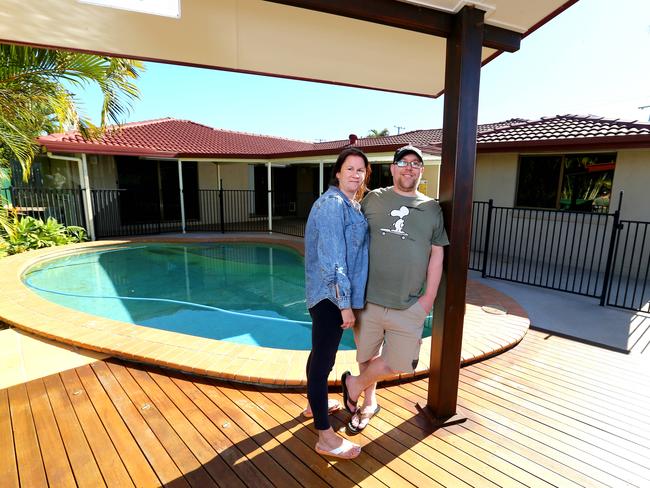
(65,205)
(591,254)
(587,253)
(218,211)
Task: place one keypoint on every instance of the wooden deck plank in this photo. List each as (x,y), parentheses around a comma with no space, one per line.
(8,467)
(189,465)
(81,457)
(246,471)
(239,413)
(108,460)
(134,460)
(529,464)
(285,412)
(470,463)
(582,456)
(543,414)
(28,454)
(161,462)
(557,383)
(591,438)
(214,464)
(55,459)
(237,435)
(562,398)
(293,451)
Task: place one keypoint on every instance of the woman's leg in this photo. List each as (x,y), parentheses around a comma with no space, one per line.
(326,336)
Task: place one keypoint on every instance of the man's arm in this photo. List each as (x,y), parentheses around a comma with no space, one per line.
(434,274)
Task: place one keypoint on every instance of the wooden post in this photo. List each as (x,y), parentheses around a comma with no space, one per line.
(462,77)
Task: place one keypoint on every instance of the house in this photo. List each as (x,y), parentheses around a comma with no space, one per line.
(562,162)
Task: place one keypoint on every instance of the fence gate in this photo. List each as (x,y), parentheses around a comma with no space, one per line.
(628,284)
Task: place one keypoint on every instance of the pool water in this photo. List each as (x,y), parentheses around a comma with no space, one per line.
(245,293)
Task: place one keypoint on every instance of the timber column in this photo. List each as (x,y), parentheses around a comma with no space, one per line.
(462,79)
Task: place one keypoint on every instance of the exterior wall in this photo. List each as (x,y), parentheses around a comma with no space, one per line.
(632,175)
(496,178)
(235,176)
(432,176)
(208,176)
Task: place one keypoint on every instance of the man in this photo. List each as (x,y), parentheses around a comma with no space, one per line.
(407,236)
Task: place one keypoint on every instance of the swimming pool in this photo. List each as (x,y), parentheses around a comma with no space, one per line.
(247,293)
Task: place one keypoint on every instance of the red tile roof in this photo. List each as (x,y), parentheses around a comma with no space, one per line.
(567,130)
(173,138)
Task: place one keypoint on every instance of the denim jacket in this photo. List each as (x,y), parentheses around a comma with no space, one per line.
(336,251)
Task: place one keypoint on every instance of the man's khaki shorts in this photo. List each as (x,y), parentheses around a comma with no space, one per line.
(399,331)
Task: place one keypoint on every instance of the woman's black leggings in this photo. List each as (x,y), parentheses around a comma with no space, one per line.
(326,335)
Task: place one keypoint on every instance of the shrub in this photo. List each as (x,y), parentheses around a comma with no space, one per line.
(19,234)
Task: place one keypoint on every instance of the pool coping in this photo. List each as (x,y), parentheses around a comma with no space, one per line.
(24,309)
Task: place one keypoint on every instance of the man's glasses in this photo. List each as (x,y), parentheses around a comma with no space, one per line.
(413,164)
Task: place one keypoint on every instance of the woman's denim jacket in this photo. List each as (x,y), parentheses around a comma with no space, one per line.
(336,251)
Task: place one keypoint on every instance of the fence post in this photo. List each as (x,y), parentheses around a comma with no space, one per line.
(221,210)
(486,245)
(611,253)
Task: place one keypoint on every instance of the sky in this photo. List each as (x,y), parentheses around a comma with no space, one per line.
(594,58)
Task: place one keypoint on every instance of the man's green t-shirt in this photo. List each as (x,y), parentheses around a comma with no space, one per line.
(402,231)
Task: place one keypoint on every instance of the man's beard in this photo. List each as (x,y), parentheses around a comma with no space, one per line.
(405,184)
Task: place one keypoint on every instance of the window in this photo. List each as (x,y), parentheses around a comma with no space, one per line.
(567,182)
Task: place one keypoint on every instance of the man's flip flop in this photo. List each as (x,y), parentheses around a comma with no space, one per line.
(347,450)
(346,395)
(333,406)
(361,416)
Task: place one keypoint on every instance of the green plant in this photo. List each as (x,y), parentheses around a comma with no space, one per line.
(37,96)
(19,234)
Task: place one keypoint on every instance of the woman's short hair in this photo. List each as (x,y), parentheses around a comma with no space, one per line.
(351,151)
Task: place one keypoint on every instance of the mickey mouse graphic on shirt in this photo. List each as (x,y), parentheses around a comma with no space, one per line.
(398,225)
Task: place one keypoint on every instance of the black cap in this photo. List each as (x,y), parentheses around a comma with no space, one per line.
(403,151)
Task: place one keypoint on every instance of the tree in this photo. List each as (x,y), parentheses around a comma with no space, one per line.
(378,133)
(36,96)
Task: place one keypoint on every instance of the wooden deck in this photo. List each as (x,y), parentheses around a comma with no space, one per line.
(550,412)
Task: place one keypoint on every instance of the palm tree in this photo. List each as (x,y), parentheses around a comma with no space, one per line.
(36,96)
(378,133)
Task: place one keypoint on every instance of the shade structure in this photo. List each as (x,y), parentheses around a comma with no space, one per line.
(422,47)
(330,44)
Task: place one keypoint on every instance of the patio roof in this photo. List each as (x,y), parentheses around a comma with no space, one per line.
(341,42)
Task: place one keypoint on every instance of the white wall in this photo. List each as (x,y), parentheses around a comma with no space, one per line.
(208,176)
(496,177)
(632,175)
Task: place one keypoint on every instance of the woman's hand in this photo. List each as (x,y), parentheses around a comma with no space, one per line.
(348,318)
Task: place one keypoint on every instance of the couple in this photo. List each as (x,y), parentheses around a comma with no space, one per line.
(392,240)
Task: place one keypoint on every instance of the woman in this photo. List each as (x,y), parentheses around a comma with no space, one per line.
(336,270)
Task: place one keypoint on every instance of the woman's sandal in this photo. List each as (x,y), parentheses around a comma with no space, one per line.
(360,416)
(333,406)
(347,450)
(346,394)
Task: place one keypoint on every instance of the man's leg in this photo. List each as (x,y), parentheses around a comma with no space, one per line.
(403,333)
(375,370)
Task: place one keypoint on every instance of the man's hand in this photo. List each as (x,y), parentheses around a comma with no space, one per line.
(348,318)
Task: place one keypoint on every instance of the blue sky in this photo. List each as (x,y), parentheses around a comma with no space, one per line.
(594,58)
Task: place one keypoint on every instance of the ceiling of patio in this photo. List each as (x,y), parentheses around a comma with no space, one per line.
(263,37)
